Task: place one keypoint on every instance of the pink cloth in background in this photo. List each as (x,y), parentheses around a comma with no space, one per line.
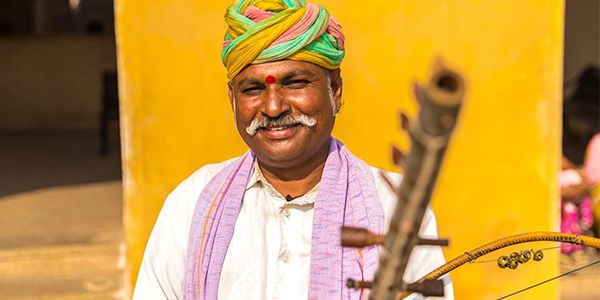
(576,218)
(591,166)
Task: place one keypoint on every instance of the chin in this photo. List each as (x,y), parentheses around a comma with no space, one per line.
(284,155)
(300,149)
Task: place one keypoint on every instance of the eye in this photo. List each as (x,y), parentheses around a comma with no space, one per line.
(296,83)
(253,90)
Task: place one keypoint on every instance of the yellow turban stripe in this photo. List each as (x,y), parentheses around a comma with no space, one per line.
(270,30)
(314,58)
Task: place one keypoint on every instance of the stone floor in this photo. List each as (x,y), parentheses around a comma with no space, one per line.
(61,217)
(61,220)
(584,284)
(62,243)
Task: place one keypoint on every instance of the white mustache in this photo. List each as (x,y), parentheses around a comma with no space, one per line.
(284,121)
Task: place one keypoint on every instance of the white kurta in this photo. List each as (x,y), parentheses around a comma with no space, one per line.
(269,254)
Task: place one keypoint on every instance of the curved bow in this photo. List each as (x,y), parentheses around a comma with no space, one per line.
(505,242)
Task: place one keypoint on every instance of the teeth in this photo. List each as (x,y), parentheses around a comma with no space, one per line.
(278,128)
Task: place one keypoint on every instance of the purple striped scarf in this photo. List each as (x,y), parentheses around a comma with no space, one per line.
(347,197)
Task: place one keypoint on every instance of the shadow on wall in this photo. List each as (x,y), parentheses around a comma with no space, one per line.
(53,83)
(50,112)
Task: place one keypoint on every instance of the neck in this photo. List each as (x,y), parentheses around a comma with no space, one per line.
(297,180)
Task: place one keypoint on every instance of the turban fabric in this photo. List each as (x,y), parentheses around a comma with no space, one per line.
(270,30)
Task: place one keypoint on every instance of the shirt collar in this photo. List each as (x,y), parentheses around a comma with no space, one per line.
(257,179)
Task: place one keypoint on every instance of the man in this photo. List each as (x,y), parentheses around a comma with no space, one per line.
(266,225)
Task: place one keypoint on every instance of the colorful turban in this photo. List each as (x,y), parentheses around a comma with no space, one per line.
(270,30)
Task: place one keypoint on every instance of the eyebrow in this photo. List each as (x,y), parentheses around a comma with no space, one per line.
(249,81)
(295,73)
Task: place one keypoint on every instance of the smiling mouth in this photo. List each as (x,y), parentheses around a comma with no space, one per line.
(279,128)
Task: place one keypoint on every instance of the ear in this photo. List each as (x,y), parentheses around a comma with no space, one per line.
(230,94)
(337,86)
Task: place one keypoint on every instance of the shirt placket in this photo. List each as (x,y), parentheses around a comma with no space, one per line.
(289,237)
(284,256)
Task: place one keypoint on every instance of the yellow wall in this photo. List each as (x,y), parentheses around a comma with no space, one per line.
(500,177)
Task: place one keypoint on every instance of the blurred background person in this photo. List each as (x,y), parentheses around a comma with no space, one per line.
(576,207)
(591,168)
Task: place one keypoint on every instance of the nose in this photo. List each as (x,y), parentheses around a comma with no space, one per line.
(275,103)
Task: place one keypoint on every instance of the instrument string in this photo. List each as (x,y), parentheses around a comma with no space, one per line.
(572,271)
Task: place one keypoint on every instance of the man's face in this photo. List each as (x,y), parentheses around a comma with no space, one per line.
(283,138)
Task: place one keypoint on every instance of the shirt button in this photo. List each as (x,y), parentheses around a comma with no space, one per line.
(286,258)
(286,212)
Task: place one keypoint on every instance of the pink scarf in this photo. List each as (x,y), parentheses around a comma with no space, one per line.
(347,197)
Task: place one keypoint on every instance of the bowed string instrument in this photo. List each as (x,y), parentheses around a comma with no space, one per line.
(430,133)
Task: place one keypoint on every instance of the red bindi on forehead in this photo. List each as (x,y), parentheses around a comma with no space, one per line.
(270,79)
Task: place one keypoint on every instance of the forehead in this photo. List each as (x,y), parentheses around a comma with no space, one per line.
(278,69)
